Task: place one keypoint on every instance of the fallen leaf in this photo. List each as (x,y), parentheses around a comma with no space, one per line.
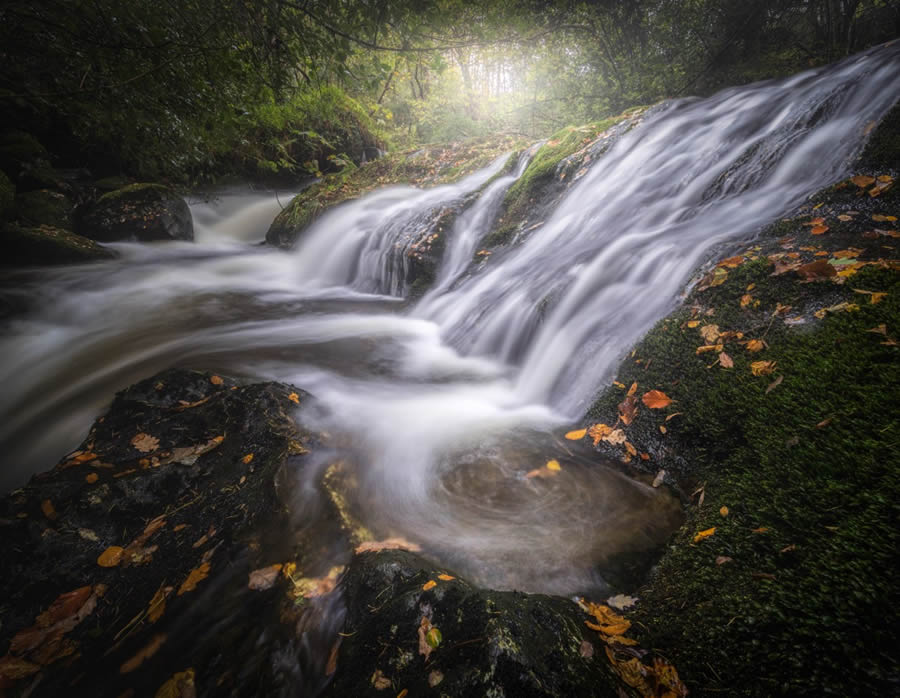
(878,218)
(446,577)
(403,693)
(755,345)
(15,668)
(246,459)
(762,368)
(180,685)
(710,333)
(157,605)
(845,218)
(660,477)
(879,329)
(724,511)
(48,509)
(722,559)
(293,397)
(145,443)
(621,601)
(709,347)
(615,437)
(633,389)
(674,414)
(763,575)
(820,269)
(433,637)
(111,557)
(761,529)
(435,678)
(693,323)
(746,300)
(425,643)
(656,399)
(774,384)
(662,429)
(598,432)
(876,298)
(725,361)
(863,181)
(819,230)
(91,478)
(576,435)
(430,584)
(702,535)
(788,548)
(731,262)
(630,448)
(586,650)
(628,409)
(216,380)
(198,574)
(264,578)
(143,655)
(380,681)
(553,465)
(373,546)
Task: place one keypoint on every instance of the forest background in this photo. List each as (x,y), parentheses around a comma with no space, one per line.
(192,91)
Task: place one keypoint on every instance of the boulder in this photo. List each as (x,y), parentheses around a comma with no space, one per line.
(43,245)
(7,196)
(144,212)
(411,625)
(20,153)
(126,568)
(44,207)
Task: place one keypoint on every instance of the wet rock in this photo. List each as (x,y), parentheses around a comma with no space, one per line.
(489,643)
(42,245)
(144,212)
(145,537)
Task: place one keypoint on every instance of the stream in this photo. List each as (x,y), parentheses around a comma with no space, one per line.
(444,404)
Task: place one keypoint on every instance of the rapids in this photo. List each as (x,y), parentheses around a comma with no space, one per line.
(441,406)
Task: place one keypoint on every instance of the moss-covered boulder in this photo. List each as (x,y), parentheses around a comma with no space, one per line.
(42,245)
(144,212)
(20,151)
(7,196)
(44,207)
(128,566)
(413,626)
(424,167)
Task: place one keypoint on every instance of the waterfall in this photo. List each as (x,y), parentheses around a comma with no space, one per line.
(444,404)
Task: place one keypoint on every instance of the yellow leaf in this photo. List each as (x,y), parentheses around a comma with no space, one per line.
(216,380)
(746,300)
(762,368)
(599,432)
(111,557)
(553,465)
(693,323)
(755,345)
(576,435)
(704,534)
(656,399)
(157,605)
(180,685)
(876,298)
(246,459)
(619,385)
(706,348)
(430,584)
(198,574)
(293,397)
(446,577)
(633,389)
(724,511)
(630,448)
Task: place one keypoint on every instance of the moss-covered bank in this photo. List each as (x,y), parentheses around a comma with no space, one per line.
(783,368)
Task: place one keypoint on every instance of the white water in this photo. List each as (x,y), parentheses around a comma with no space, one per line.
(441,408)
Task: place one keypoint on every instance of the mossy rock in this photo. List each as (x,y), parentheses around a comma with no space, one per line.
(44,207)
(490,643)
(144,212)
(882,152)
(149,533)
(43,245)
(7,196)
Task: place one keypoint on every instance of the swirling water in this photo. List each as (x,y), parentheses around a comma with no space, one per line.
(442,406)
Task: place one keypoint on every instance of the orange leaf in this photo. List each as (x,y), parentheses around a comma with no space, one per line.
(48,509)
(247,458)
(863,181)
(91,478)
(755,345)
(198,574)
(656,399)
(633,389)
(430,584)
(216,380)
(762,368)
(293,397)
(724,511)
(576,435)
(111,557)
(446,577)
(819,230)
(599,432)
(145,653)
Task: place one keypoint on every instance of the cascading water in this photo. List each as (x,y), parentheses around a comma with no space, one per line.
(442,407)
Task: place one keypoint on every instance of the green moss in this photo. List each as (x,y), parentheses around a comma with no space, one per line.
(47,245)
(44,207)
(133,190)
(883,149)
(812,460)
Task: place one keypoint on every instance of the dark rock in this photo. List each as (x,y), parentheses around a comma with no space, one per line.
(44,207)
(19,152)
(187,473)
(42,245)
(492,643)
(144,212)
(7,196)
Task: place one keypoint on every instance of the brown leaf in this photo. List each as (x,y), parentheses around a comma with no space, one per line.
(656,399)
(722,559)
(746,300)
(15,668)
(264,578)
(615,437)
(180,685)
(157,605)
(143,655)
(48,509)
(145,443)
(380,681)
(761,529)
(755,345)
(91,478)
(725,361)
(630,448)
(863,181)
(111,557)
(216,380)
(197,575)
(628,409)
(820,269)
(710,333)
(633,389)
